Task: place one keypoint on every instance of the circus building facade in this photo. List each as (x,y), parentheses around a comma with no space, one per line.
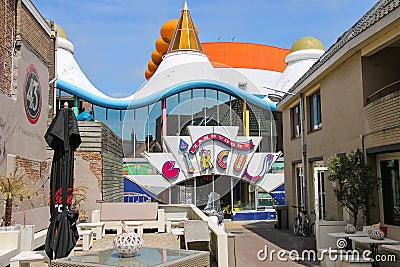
(204,121)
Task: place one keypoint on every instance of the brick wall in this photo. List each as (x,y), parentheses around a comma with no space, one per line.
(41,44)
(36,175)
(382,121)
(95,164)
(7,26)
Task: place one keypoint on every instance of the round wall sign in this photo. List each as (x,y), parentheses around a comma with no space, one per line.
(32,94)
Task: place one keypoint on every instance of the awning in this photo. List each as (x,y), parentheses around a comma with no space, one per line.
(130,186)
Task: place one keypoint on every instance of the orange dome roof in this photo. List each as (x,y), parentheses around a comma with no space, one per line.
(246,55)
(151,66)
(161,46)
(148,74)
(168,29)
(156,57)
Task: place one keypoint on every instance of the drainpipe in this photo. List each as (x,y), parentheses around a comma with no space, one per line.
(303,150)
(362,145)
(303,142)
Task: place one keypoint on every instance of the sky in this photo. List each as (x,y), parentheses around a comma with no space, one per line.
(114,40)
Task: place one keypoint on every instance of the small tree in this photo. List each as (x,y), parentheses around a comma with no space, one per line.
(354,183)
(13,188)
(79,196)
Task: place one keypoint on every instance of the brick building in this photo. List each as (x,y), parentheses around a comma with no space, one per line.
(7,31)
(27,58)
(351,101)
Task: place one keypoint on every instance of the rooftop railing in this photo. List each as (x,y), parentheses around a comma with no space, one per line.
(387,89)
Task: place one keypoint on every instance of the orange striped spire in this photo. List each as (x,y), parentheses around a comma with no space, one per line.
(185,36)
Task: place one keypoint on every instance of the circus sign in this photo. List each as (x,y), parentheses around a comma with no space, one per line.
(212,150)
(32,94)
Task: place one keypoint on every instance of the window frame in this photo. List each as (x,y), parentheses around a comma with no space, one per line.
(293,125)
(311,114)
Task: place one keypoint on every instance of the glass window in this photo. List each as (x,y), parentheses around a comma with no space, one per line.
(315,111)
(236,112)
(114,121)
(299,184)
(265,200)
(211,107)
(185,100)
(224,111)
(154,127)
(141,130)
(295,119)
(391,190)
(63,97)
(198,107)
(128,129)
(99,114)
(243,195)
(138,167)
(172,115)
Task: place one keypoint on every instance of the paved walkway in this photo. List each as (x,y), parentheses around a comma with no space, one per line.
(253,236)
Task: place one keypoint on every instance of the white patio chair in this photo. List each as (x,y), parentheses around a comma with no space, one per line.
(196,231)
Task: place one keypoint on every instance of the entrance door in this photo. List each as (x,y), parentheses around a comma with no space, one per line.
(299,185)
(319,193)
(390,195)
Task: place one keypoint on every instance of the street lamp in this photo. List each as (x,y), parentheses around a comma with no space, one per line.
(303,142)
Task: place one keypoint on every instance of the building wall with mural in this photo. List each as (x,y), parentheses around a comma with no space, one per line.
(28,56)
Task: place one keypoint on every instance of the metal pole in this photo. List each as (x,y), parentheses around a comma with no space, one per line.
(231,193)
(195,191)
(303,142)
(303,151)
(134,133)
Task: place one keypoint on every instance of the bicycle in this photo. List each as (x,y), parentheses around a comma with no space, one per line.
(302,222)
(312,225)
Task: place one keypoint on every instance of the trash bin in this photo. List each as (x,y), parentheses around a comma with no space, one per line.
(281,216)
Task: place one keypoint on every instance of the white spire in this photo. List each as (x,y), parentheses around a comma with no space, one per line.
(185,6)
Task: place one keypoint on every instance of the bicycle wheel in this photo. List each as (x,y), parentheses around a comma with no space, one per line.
(296,227)
(312,230)
(305,229)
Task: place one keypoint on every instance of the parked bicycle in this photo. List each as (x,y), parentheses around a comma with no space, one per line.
(312,225)
(302,222)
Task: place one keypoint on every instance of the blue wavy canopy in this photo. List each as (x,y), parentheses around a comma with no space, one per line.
(123,104)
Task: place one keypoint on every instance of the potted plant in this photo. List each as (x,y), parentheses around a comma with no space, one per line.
(354,184)
(79,196)
(13,187)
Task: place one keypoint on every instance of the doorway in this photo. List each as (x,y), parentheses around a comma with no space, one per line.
(319,193)
(389,195)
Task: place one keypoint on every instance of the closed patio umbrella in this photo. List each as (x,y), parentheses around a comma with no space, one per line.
(63,137)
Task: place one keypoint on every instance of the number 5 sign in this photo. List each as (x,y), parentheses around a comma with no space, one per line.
(32,94)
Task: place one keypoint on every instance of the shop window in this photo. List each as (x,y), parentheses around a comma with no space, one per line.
(295,119)
(391,191)
(315,111)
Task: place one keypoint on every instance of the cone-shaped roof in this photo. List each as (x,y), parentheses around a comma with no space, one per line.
(185,36)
